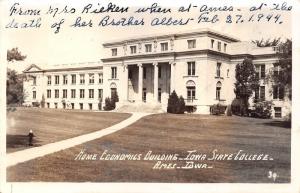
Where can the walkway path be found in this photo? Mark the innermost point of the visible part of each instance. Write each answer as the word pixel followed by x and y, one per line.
pixel 32 153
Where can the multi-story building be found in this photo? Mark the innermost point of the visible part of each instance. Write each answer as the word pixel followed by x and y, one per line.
pixel 199 65
pixel 70 87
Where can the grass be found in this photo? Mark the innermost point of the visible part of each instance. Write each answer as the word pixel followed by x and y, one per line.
pixel 51 125
pixel 169 134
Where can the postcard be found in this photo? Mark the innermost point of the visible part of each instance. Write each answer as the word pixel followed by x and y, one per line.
pixel 149 96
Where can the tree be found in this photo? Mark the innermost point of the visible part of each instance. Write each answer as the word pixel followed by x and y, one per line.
pixel 14 54
pixel 110 103
pixel 267 43
pixel 14 88
pixel 282 75
pixel 246 82
pixel 175 105
pixel 14 82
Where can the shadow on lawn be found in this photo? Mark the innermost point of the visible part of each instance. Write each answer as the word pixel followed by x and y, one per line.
pixel 16 141
pixel 283 124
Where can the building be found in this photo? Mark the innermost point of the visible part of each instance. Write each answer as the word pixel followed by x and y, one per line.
pixel 199 65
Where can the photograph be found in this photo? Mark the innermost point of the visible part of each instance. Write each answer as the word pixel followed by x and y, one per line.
pixel 149 95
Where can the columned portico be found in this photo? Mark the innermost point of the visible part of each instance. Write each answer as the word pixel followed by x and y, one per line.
pixel 155 87
pixel 140 83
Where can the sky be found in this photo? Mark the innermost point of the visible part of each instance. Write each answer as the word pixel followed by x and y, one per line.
pixel 43 47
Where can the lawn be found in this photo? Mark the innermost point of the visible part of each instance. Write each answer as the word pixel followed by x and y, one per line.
pixel 172 134
pixel 51 125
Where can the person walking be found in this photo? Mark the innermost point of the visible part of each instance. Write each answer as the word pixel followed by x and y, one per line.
pixel 30 137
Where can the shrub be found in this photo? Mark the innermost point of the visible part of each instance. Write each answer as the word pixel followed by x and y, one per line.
pixel 175 105
pixel 43 101
pixel 262 110
pixel 228 110
pixel 110 103
pixel 36 104
pixel 238 107
pixel 217 109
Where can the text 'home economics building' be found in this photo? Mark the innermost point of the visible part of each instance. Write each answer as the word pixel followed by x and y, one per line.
pixel 199 65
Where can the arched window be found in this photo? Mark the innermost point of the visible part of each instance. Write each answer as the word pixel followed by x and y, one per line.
pixel 191 90
pixel 218 90
pixel 113 89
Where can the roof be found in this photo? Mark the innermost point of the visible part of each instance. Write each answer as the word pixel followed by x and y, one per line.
pixel 207 31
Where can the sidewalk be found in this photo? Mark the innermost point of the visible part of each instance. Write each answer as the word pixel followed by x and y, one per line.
pixel 32 153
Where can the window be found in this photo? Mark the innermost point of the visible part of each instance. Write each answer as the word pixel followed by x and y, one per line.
pixel 91 93
pixel 262 71
pixel 100 93
pixel 144 94
pixel 73 78
pixel 277 71
pixel 277 112
pixel 114 52
pixel 191 44
pixel 100 78
pixel 133 49
pixel 278 92
pixel 90 106
pixel 164 46
pixel 49 80
pixel 256 93
pixel 64 105
pixel 218 90
pixel 148 47
pixel 56 79
pixel 227 73
pixel 219 46
pixel 72 105
pixel 144 72
pixel 65 79
pixel 113 91
pixel 91 78
pixel 55 104
pixel 56 93
pixel 82 81
pixel 212 43
pixel 73 93
pixel 34 80
pixel 159 94
pixel 65 93
pixel 81 106
pixel 34 94
pixel 159 71
pixel 191 93
pixel 48 94
pixel 225 47
pixel 81 93
pixel 218 71
pixel 262 92
pixel 48 105
pixel 191 68
pixel 113 72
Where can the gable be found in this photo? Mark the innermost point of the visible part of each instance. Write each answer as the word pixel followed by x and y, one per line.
pixel 32 68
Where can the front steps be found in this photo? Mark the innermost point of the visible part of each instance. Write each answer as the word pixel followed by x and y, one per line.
pixel 140 107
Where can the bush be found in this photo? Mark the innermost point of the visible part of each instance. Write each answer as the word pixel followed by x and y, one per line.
pixel 229 111
pixel 217 109
pixel 262 110
pixel 175 105
pixel 43 101
pixel 110 103
pixel 238 107
pixel 36 104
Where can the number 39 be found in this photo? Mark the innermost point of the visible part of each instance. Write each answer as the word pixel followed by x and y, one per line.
pixel 273 175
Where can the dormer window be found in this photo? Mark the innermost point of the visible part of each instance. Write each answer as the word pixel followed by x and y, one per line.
pixel 219 46
pixel 148 47
pixel 212 43
pixel 133 49
pixel 164 46
pixel 114 52
pixel 191 44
